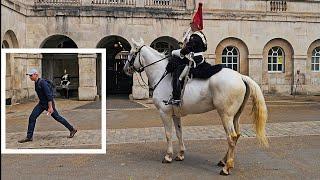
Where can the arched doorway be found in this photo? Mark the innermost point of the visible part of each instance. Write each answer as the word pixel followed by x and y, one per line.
pixel 117 50
pixel 54 66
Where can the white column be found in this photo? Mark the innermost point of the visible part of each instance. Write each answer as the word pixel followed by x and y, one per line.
pixel 23 87
pixel 87 76
pixel 139 89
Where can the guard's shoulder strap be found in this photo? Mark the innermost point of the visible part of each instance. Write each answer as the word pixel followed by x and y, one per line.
pixel 201 35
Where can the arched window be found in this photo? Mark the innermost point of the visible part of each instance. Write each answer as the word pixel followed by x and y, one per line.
pixel 230 57
pixel 276 59
pixel 165 44
pixel 163 47
pixel 315 59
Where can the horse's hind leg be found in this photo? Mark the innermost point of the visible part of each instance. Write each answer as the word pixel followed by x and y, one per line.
pixel 178 127
pixel 167 123
pixel 231 137
pixel 236 124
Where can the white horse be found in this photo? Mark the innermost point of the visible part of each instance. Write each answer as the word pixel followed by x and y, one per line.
pixel 227 91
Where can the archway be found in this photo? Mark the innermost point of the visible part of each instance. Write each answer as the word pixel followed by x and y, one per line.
pixel 312 75
pixel 234 53
pixel 278 67
pixel 117 50
pixel 10 41
pixel 55 65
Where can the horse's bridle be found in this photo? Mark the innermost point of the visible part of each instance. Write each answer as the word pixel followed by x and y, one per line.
pixel 141 69
pixel 131 61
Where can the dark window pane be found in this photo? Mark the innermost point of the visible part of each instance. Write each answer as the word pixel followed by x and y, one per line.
pixel 224 52
pixel 317 67
pixel 270 52
pixel 312 67
pixel 223 60
pixel 235 59
pixel 235 67
pixel 279 67
pixel 235 51
pixel 229 66
pixel 229 59
pixel 317 59
pixel 274 67
pixel 269 67
pixel 274 59
pixel 269 59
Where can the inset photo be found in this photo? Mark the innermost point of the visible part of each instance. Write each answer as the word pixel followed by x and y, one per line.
pixel 53 101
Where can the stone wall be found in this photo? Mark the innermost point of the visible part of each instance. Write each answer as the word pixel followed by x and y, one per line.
pixel 250 25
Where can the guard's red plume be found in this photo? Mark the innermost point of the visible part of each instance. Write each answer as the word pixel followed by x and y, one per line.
pixel 197 18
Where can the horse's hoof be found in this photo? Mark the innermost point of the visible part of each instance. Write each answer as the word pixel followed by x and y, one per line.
pixel 221 164
pixel 223 173
pixel 179 158
pixel 167 159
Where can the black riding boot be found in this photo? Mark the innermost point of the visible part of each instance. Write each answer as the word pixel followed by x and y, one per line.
pixel 177 86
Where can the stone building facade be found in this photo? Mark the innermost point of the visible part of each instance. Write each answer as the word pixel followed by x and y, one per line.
pixel 268 40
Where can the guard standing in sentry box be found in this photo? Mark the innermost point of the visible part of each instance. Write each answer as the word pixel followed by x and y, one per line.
pixel 44 89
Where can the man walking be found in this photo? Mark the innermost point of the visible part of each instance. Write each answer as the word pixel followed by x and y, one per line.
pixel 45 94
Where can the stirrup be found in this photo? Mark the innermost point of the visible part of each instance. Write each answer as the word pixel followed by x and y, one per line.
pixel 175 102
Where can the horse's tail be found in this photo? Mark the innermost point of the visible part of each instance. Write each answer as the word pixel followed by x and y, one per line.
pixel 259 110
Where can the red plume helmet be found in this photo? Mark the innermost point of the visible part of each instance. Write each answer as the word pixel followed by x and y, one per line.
pixel 197 18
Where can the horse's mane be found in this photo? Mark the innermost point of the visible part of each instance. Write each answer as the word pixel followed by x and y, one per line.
pixel 162 55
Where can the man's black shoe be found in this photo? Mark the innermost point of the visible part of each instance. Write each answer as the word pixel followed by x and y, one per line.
pixel 72 133
pixel 25 140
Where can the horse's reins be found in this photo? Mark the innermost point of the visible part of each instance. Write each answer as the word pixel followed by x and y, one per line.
pixel 141 69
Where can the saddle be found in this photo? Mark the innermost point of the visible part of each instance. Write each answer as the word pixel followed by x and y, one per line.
pixel 205 70
pixel 202 71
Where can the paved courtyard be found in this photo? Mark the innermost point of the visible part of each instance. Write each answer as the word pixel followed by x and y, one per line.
pixel 84 115
pixel 136 143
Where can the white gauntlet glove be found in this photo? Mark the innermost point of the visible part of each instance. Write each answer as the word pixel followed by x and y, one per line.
pixel 177 53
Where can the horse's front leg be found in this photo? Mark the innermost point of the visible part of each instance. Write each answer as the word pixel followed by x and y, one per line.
pixel 167 123
pixel 178 127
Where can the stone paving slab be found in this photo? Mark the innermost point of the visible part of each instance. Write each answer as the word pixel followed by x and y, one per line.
pixel 154 134
pixel 55 139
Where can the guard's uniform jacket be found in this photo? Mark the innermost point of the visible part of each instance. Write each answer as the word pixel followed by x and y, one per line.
pixel 197 44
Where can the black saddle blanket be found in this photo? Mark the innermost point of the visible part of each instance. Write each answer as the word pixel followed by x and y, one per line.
pixel 205 70
pixel 202 71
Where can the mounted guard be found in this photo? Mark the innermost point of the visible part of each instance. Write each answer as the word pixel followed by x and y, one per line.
pixel 190 59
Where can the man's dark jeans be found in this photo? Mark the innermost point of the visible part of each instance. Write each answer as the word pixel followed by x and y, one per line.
pixel 36 113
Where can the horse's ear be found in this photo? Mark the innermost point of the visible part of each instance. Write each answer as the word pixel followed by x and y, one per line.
pixel 134 42
pixel 141 41
pixel 136 45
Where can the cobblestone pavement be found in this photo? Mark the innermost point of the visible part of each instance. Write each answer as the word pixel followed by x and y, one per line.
pixel 84 115
pixel 303 120
pixel 56 139
pixel 154 134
